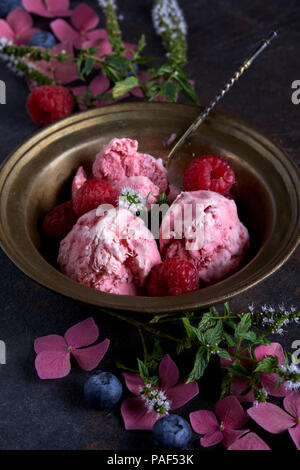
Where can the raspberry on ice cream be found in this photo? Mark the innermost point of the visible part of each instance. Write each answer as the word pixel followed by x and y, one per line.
pixel 209 172
pixel 120 159
pixel 211 237
pixel 111 252
pixel 92 194
pixel 174 276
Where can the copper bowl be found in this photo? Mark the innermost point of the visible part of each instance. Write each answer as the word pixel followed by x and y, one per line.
pixel 37 176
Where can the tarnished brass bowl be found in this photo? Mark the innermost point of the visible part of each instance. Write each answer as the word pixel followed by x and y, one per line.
pixel 37 176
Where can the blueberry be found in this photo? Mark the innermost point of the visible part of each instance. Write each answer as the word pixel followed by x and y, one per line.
pixel 42 39
pixel 7 5
pixel 171 432
pixel 103 390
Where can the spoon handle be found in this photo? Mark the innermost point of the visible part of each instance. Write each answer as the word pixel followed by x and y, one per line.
pixel 245 65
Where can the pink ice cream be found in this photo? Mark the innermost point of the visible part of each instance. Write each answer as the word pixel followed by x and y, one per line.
pixel 113 252
pixel 213 238
pixel 120 159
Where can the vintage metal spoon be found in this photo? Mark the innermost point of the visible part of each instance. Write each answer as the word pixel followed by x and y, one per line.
pixel 245 65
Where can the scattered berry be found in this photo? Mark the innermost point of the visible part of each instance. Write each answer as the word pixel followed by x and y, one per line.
pixel 42 39
pixel 92 194
pixel 209 172
pixel 58 222
pixel 174 276
pixel 103 390
pixel 6 6
pixel 48 103
pixel 171 432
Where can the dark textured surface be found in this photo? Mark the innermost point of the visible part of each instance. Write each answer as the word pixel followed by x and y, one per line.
pixel 37 414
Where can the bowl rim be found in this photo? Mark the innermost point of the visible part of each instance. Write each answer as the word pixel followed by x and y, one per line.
pixel 65 286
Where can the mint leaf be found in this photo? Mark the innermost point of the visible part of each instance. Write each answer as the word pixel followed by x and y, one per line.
pixel 163 199
pixel 243 326
pixel 124 86
pixel 201 363
pixel 169 90
pixel 267 365
pixel 214 335
pixel 143 369
pixel 224 354
pixel 238 370
pixel 229 340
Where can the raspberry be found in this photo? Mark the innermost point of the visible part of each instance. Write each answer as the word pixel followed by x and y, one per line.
pixel 174 276
pixel 92 194
pixel 209 172
pixel 48 103
pixel 58 222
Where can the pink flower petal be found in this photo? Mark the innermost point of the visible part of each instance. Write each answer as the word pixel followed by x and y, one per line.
pixel 133 382
pixel 168 372
pixel 102 44
pixel 295 435
pixel 99 84
pixel 204 422
pixel 271 417
pixel 269 381
pixel 50 343
pixel 249 442
pixel 136 416
pixel 181 394
pixel 59 7
pixel 211 439
pixel 137 92
pixel 49 8
pixel 129 47
pixel 231 413
pixel 6 31
pixel 82 334
pixel 19 20
pixel 37 7
pixel 292 404
pixel 273 349
pixel 84 18
pixel 64 32
pixel 52 364
pixel 89 358
pixel 231 435
pixel 65 72
pixel 238 386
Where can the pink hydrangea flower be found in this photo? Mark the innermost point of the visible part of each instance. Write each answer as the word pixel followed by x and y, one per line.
pixel 268 382
pixel 250 441
pixel 231 416
pixel 139 412
pixel 48 8
pixel 98 85
pixel 17 27
pixel 54 351
pixel 61 72
pixel 276 420
pixel 82 34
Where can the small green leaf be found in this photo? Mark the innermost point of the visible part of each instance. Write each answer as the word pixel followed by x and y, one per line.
pixel 119 365
pixel 229 340
pixel 267 365
pixel 238 370
pixel 163 199
pixel 248 335
pixel 243 326
pixel 157 352
pixel 143 369
pixel 214 335
pixel 206 321
pixel 124 86
pixel 201 363
pixel 224 354
pixel 169 90
pixel 88 66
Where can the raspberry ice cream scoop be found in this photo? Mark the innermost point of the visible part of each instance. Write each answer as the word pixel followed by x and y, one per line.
pixel 120 159
pixel 111 251
pixel 203 227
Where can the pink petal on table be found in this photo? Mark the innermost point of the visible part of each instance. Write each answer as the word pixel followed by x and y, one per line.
pixel 269 382
pixel 37 7
pixel 134 382
pixel 181 394
pixel 291 404
pixel 230 435
pixel 168 372
pixel 271 417
pixel 204 421
pixel 238 386
pixel 137 92
pixel 295 435
pixel 84 18
pixel 19 20
pixel 66 72
pixel 273 349
pixel 82 334
pixel 64 32
pixel 136 415
pixel 99 84
pixel 230 412
pixel 79 90
pixel 50 343
pixel 6 31
pixel 59 7
pixel 65 46
pixel 52 364
pixel 24 37
pixel 96 34
pixel 89 358
pixel 102 44
pixel 128 48
pixel 211 439
pixel 249 442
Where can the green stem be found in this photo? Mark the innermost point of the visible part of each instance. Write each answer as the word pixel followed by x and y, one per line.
pixel 144 345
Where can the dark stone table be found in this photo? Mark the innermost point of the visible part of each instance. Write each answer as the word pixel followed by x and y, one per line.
pixel 37 414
